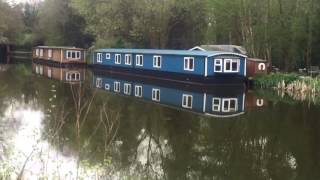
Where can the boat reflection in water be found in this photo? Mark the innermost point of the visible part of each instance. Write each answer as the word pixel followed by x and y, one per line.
pixel 70 74
pixel 210 101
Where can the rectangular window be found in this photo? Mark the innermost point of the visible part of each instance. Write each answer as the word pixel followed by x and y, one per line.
pixel 138 91
pixel 108 56
pixel 41 70
pixel 99 83
pixel 107 87
pixel 37 52
pixel 156 95
pixel 50 53
pixel 99 57
pixel 128 59
pixel 49 72
pixel 231 65
pixel 73 54
pixel 229 105
pixel 218 65
pixel 139 60
pixel 157 61
pixel 189 63
pixel 127 88
pixel 41 52
pixel 37 69
pixel 116 86
pixel 187 101
pixel 216 104
pixel 75 76
pixel 118 58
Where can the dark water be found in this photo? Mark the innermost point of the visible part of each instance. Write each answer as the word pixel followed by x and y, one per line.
pixel 73 125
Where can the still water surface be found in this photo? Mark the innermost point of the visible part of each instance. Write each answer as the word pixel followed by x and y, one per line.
pixel 70 123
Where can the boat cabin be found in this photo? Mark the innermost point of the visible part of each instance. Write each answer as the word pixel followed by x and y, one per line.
pixel 62 55
pixel 68 75
pixel 255 66
pixel 168 63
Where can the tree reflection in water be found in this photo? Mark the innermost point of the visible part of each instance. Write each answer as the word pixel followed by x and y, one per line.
pixel 78 132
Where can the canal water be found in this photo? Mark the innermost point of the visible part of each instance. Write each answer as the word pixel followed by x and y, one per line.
pixel 69 123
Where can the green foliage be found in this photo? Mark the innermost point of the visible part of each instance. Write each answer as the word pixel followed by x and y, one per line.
pixel 273 79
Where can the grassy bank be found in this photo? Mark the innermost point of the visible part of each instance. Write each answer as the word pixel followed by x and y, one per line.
pixel 288 82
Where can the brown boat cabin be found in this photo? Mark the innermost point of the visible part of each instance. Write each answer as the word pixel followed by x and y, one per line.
pixel 63 55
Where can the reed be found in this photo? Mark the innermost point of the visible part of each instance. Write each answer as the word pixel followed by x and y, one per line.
pixel 291 83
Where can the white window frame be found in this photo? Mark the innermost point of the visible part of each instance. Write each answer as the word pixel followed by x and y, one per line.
pixel 117 86
pixel 98 83
pixel 229 109
pixel 49 53
pixel 107 86
pixel 77 54
pixel 37 52
pixel 41 52
pixel 138 91
pixel 154 95
pixel 187 61
pixel 217 63
pixel 139 60
pixel 49 72
pixel 108 56
pixel 77 76
pixel 216 107
pixel 117 58
pixel 127 89
pixel 41 70
pixel 99 57
pixel 185 101
pixel 231 61
pixel 128 59
pixel 157 62
pixel 37 69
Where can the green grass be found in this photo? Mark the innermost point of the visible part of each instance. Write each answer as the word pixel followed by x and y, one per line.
pixel 273 79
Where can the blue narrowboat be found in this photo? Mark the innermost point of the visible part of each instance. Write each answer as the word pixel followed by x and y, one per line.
pixel 215 102
pixel 203 66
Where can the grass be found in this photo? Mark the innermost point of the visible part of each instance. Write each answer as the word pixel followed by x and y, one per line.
pixel 272 80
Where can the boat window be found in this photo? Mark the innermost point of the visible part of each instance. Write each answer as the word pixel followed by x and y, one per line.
pixel 118 58
pixel 128 59
pixel 138 91
pixel 216 104
pixel 107 87
pixel 41 52
pixel 156 95
pixel 230 105
pixel 75 76
pixel 99 83
pixel 73 54
pixel 189 63
pixel 99 57
pixel 108 56
pixel 127 88
pixel 37 52
pixel 49 72
pixel 187 101
pixel 139 60
pixel 116 86
pixel 157 61
pixel 218 65
pixel 231 65
pixel 41 70
pixel 50 53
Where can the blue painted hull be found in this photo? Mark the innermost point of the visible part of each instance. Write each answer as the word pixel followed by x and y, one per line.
pixel 222 80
